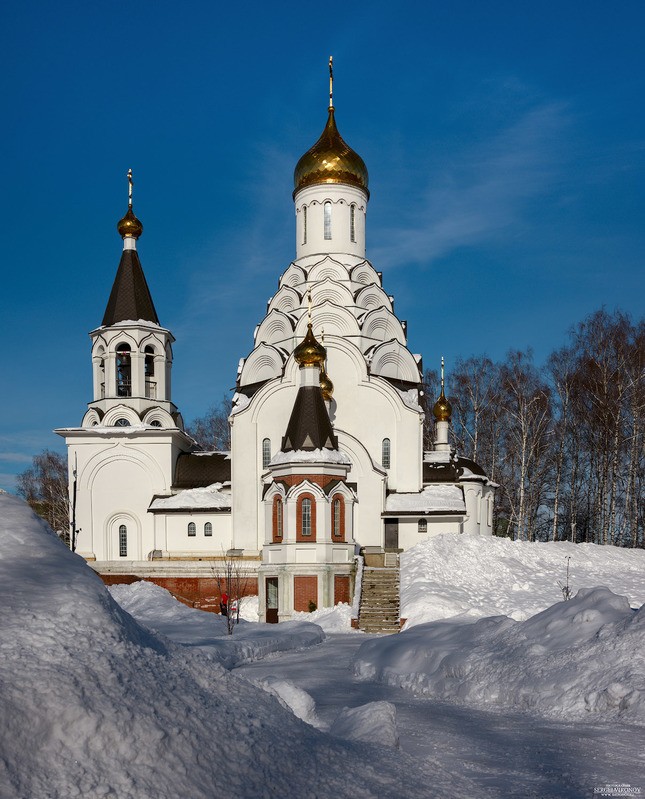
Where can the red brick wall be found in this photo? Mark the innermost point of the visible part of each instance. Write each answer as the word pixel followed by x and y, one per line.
pixel 341 588
pixel 305 588
pixel 200 592
pixel 318 479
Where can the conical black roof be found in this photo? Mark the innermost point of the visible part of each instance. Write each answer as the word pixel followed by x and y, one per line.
pixel 130 296
pixel 309 426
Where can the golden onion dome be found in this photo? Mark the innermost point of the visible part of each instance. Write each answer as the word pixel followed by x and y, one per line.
pixel 330 160
pixel 442 408
pixel 129 226
pixel 326 386
pixel 310 352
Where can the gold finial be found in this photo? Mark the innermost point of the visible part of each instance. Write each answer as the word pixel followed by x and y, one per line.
pixel 129 227
pixel 309 306
pixel 130 185
pixel 310 352
pixel 331 81
pixel 442 408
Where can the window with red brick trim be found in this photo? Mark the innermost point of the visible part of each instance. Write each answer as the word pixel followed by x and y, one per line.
pixel 278 520
pixel 306 518
pixel 338 518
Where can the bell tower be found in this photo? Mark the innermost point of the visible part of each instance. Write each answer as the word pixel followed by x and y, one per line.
pixel 131 351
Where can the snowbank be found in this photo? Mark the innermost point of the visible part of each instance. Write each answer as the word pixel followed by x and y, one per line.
pixel 332 620
pixel 158 610
pixel 579 659
pixel 486 576
pixel 93 704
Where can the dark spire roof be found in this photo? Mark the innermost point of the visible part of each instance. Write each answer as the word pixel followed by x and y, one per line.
pixel 130 296
pixel 309 426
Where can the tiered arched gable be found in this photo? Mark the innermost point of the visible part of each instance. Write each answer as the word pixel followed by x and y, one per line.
pixel 395 362
pixel 276 328
pixel 382 325
pixel 364 274
pixel 286 299
pixel 264 363
pixel 294 276
pixel 373 296
pixel 328 268
pixel 335 320
pixel 332 291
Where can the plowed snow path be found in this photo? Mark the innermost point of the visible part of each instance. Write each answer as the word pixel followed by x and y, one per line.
pixel 508 755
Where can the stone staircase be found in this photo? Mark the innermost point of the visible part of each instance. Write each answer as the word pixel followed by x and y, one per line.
pixel 379 610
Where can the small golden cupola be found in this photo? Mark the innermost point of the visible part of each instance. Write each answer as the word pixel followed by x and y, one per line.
pixel 326 386
pixel 129 227
pixel 331 159
pixel 310 352
pixel 442 410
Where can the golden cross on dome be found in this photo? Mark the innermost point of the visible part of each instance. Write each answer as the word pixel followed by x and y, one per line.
pixel 309 306
pixel 331 81
pixel 130 185
pixel 442 374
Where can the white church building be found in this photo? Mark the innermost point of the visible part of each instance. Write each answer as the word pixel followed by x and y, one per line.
pixel 326 452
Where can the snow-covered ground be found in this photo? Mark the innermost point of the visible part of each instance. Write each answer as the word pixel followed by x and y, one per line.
pixel 137 699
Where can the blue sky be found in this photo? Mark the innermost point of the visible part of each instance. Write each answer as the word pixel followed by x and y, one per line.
pixel 505 143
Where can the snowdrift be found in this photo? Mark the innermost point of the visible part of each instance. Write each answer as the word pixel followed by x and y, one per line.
pixel 480 576
pixel 93 704
pixel 579 659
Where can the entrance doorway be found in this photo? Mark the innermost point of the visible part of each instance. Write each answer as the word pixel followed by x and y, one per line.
pixel 272 600
pixel 391 535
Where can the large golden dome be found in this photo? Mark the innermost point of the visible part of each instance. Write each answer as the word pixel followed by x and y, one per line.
pixel 330 160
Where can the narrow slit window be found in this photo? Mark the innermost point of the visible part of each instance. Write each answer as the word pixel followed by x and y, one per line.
pixel 123 541
pixel 385 455
pixel 192 528
pixel 352 223
pixel 304 224
pixel 208 529
pixel 423 526
pixel 278 519
pixel 266 453
pixel 327 221
pixel 336 517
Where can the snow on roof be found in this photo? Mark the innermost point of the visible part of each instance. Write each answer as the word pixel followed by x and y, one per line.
pixel 239 401
pixel 410 398
pixel 311 456
pixel 447 498
pixel 217 495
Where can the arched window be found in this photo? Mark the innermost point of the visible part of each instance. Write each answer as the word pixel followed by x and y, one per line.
pixel 338 518
pixel 327 221
pixel 385 453
pixel 278 519
pixel 306 518
pixel 192 528
pixel 208 529
pixel 123 371
pixel 101 355
pixel 123 541
pixel 352 222
pixel 266 453
pixel 122 423
pixel 305 523
pixel 304 224
pixel 423 526
pixel 155 423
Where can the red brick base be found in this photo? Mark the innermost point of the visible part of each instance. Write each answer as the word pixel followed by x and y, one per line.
pixel 305 590
pixel 196 592
pixel 341 588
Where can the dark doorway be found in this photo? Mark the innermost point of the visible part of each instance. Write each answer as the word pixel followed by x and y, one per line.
pixel 272 600
pixel 391 535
